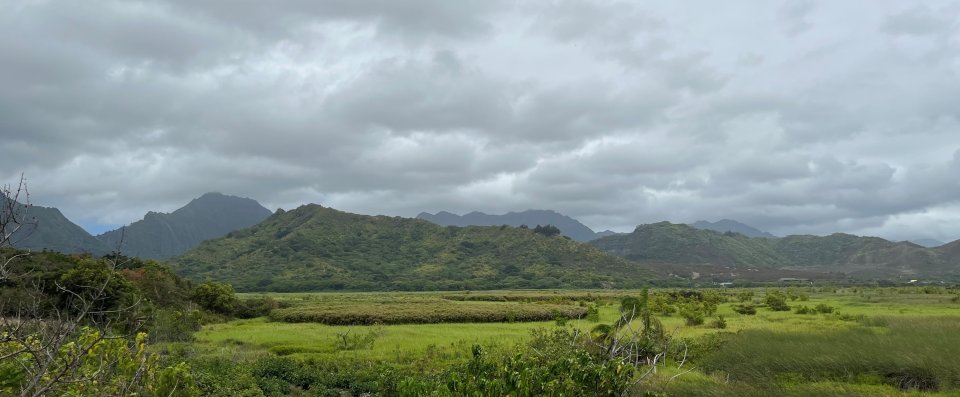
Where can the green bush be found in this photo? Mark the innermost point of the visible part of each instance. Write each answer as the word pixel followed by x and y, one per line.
pixel 744 309
pixel 803 309
pixel 719 323
pixel 692 312
pixel 215 297
pixel 358 341
pixel 593 313
pixel 776 301
pixel 823 308
pixel 555 364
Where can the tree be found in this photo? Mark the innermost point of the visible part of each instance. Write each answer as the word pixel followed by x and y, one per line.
pixel 76 334
pixel 547 230
pixel 216 297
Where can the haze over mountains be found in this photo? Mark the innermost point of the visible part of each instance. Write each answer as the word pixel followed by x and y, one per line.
pixel 157 236
pixel 47 228
pixel 162 236
pixel 568 226
pixel 729 225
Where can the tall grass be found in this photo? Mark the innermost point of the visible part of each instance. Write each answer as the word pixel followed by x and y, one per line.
pixel 920 353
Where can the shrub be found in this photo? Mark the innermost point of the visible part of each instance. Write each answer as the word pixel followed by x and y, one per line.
pixel 215 297
pixel 803 309
pixel 823 308
pixel 559 318
pixel 358 341
pixel 719 323
pixel 776 301
pixel 692 312
pixel 593 314
pixel 553 364
pixel 256 307
pixel 174 325
pixel 745 309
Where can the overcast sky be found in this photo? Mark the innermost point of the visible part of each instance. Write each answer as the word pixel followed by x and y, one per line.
pixel 791 116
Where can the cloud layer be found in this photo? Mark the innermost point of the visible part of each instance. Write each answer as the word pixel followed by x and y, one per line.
pixel 793 116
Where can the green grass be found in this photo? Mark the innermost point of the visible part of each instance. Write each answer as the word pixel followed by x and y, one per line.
pixel 909 353
pixel 874 337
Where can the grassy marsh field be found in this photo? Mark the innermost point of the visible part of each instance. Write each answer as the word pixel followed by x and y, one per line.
pixel 873 341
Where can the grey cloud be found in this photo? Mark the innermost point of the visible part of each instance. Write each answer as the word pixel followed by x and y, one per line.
pixel 616 113
pixel 794 14
pixel 921 20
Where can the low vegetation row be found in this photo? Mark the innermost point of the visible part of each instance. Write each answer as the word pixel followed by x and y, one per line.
pixel 438 311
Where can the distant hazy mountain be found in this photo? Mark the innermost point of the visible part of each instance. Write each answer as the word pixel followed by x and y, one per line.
pixel 315 248
pixel 49 229
pixel 161 236
pixel 729 225
pixel 568 226
pixel 928 242
pixel 856 256
pixel 606 233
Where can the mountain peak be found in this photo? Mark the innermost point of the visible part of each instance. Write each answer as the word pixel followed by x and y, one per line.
pixel 161 235
pixel 730 225
pixel 568 226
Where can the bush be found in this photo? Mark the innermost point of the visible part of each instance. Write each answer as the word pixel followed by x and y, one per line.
pixel 719 323
pixel 593 314
pixel 776 301
pixel 803 309
pixel 553 364
pixel 692 312
pixel 174 325
pixel 215 297
pixel 745 309
pixel 358 341
pixel 823 308
pixel 256 307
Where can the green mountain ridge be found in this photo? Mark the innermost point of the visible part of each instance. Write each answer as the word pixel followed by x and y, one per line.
pixel 856 256
pixel 46 228
pixel 317 248
pixel 162 236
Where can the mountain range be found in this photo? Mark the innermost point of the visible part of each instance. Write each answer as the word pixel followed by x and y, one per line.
pixel 45 228
pixel 162 236
pixel 320 248
pixel 729 225
pixel 853 256
pixel 317 248
pixel 568 226
pixel 157 236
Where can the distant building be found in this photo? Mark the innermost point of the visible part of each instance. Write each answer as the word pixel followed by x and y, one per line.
pixel 791 280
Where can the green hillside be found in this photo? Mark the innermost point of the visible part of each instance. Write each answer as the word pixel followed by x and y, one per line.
pixel 667 242
pixel 841 250
pixel 316 248
pixel 862 257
